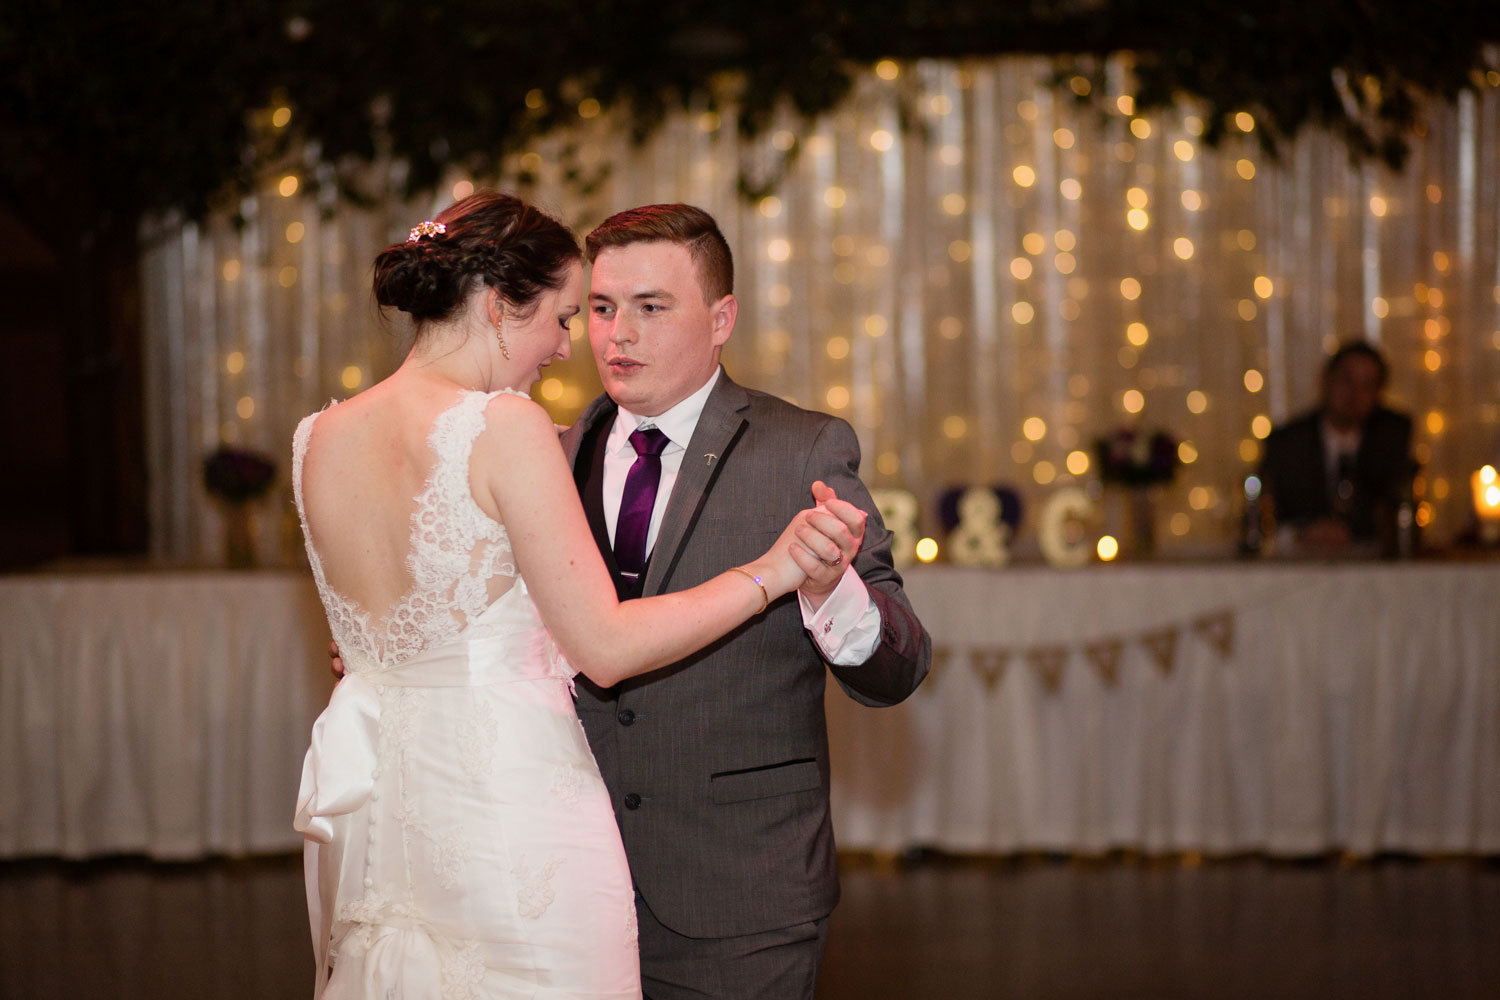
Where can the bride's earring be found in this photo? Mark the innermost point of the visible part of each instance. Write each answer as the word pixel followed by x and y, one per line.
pixel 500 336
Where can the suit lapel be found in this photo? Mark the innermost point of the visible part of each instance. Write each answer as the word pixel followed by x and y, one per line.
pixel 602 408
pixel 719 427
pixel 584 446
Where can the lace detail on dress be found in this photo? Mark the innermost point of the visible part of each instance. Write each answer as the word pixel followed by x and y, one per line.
pixel 463 972
pixel 450 855
pixel 364 915
pixel 559 667
pixel 370 908
pixel 632 925
pixel 456 549
pixel 534 891
pixel 476 741
pixel 400 710
pixel 567 782
pixel 448 851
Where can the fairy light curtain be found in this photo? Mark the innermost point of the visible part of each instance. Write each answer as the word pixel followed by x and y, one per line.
pixel 980 294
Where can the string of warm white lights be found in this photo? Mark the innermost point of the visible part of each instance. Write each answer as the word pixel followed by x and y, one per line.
pixel 981 294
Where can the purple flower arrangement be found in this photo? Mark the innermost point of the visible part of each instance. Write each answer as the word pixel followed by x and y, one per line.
pixel 238 474
pixel 1136 458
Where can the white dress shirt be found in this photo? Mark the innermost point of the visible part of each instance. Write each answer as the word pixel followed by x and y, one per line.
pixel 846 627
pixel 1337 445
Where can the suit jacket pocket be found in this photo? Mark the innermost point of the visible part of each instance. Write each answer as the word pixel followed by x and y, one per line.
pixel 765 782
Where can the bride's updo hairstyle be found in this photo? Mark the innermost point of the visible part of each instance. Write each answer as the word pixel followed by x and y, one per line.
pixel 489 237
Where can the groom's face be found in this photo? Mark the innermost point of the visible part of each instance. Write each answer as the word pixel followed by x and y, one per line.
pixel 655 338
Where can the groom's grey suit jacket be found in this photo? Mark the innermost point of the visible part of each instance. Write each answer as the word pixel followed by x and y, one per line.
pixel 718 764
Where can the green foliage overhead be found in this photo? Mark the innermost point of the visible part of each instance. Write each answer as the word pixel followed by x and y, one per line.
pixel 158 105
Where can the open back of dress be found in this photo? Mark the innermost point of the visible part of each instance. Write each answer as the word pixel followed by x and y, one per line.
pixel 458 562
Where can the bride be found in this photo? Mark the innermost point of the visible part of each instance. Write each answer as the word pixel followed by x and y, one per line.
pixel 460 842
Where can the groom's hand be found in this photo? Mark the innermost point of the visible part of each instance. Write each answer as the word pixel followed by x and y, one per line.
pixel 829 539
pixel 335 662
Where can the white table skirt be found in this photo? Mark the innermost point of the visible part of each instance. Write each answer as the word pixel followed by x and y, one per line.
pixel 156 713
pixel 1354 708
pixel 1357 709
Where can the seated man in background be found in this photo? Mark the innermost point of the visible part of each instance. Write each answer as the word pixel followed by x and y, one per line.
pixel 1336 475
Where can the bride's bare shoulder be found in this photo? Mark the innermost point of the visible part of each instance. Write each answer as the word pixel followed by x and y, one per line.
pixel 518 438
pixel 325 428
pixel 511 414
pixel 338 421
pixel 378 426
pixel 517 454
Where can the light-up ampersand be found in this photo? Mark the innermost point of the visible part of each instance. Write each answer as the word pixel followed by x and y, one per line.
pixel 980 537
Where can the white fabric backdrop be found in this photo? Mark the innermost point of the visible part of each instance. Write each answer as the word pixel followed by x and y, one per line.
pixel 909 281
pixel 1358 709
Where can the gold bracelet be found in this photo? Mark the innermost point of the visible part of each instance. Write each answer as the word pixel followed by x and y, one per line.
pixel 765 599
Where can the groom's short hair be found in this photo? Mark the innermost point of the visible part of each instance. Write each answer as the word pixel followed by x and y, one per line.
pixel 687 225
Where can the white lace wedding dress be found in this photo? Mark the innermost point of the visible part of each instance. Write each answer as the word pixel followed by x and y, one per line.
pixel 460 842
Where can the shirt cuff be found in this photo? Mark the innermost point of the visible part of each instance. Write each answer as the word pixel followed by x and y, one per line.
pixel 847 626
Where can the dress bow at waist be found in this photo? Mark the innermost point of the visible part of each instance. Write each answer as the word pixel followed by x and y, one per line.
pixel 338 772
pixel 343 758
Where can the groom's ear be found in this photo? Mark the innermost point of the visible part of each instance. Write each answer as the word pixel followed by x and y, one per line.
pixel 722 314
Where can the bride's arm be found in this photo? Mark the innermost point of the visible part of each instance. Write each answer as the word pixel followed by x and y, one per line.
pixel 519 468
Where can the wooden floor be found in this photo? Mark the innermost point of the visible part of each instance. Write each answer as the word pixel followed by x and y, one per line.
pixel 941 928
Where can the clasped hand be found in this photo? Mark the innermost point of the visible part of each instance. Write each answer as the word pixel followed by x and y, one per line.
pixel 816 547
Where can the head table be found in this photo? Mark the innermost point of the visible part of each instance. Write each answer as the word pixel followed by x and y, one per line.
pixel 1279 708
pixel 158 713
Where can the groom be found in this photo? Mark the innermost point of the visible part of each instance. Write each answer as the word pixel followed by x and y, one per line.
pixel 718 765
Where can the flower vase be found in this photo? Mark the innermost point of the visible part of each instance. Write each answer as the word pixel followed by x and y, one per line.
pixel 239 536
pixel 1140 515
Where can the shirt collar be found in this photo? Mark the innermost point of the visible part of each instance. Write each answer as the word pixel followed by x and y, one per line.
pixel 1337 442
pixel 677 422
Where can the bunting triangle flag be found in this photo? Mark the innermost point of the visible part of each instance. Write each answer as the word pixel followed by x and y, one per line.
pixel 1105 658
pixel 989 664
pixel 1217 630
pixel 1162 645
pixel 1048 663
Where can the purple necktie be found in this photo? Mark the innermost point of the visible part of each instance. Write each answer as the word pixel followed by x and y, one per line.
pixel 638 500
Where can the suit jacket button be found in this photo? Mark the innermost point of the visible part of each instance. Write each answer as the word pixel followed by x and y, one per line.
pixel 626 717
pixel 632 800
